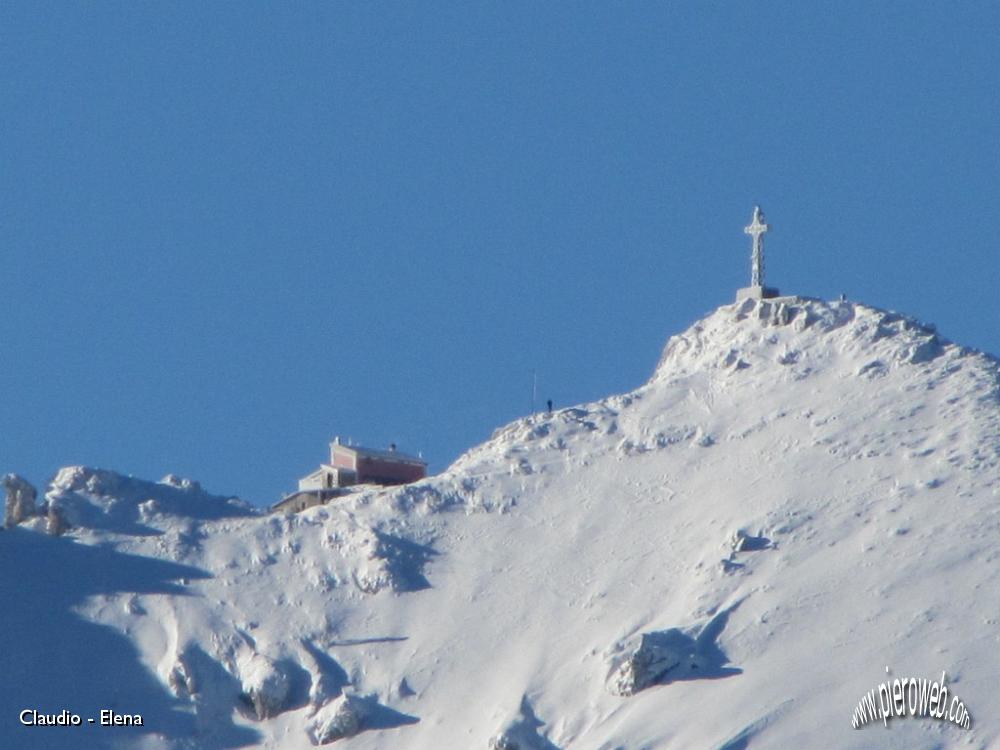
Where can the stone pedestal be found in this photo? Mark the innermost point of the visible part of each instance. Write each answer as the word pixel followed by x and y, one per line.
pixel 756 292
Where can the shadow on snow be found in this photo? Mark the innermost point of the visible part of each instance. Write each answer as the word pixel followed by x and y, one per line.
pixel 54 659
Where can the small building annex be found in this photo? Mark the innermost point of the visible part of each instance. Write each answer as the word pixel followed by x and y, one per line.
pixel 350 465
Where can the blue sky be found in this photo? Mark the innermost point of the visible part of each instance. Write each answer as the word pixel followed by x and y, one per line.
pixel 230 231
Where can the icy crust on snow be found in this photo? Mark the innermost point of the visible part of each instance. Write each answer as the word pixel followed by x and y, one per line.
pixel 717 559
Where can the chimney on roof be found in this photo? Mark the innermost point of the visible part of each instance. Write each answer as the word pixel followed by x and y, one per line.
pixel 336 439
pixel 392 447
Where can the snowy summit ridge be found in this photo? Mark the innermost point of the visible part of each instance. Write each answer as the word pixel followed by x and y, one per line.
pixel 759 326
pixel 727 557
pixel 786 345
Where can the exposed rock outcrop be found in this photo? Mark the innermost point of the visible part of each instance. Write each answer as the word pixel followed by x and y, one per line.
pixel 20 504
pixel 341 718
pixel 266 686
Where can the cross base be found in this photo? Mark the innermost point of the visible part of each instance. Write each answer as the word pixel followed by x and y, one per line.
pixel 756 292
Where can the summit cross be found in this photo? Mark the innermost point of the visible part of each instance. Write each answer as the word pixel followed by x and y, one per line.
pixel 756 229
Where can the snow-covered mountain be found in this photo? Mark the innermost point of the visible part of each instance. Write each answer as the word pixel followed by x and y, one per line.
pixel 730 556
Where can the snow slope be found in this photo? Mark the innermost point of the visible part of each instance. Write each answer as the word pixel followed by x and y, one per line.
pixel 802 495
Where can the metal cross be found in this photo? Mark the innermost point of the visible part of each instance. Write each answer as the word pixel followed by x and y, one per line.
pixel 756 229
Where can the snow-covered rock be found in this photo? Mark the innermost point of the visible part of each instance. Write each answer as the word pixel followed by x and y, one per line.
pixel 266 686
pixel 521 732
pixel 339 719
pixel 100 499
pixel 650 661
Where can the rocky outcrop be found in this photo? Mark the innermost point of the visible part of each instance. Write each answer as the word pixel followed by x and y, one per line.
pixel 21 496
pixel 655 655
pixel 266 686
pixel 339 719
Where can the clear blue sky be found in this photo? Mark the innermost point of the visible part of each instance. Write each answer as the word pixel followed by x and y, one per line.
pixel 230 231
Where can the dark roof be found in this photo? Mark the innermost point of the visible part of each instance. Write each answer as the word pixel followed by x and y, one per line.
pixel 404 458
pixel 323 494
